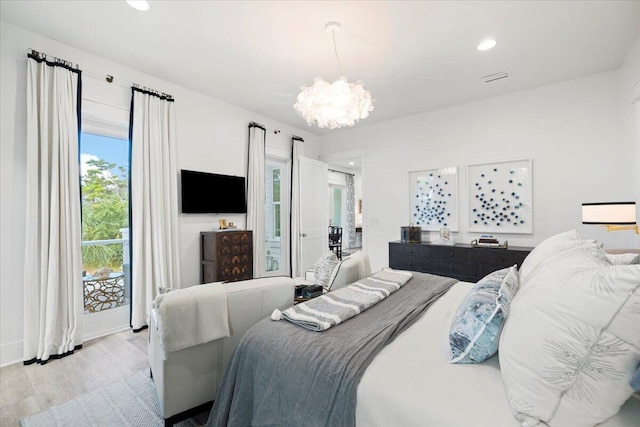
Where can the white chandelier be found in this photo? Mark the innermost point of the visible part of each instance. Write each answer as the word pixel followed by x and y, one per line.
pixel 333 105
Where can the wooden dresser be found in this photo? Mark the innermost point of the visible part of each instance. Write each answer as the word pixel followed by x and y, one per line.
pixel 460 261
pixel 226 256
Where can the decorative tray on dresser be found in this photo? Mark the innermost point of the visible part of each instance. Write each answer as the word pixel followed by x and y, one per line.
pixel 460 261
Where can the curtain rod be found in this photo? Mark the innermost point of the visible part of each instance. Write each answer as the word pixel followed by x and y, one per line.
pixel 346 173
pixel 275 131
pixel 152 92
pixel 53 60
pixel 110 79
pixel 41 56
pixel 257 125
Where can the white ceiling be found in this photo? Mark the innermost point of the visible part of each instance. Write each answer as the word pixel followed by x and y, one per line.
pixel 413 56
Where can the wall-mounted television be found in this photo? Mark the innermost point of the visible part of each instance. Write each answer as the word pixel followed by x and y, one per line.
pixel 204 192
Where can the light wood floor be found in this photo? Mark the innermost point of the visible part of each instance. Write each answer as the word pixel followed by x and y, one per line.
pixel 27 390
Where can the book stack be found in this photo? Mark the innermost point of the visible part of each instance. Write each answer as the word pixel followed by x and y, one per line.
pixel 488 240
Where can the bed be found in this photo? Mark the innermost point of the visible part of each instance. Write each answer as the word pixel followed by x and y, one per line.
pixel 410 382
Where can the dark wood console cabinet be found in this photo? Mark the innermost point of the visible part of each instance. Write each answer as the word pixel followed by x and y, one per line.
pixel 460 261
pixel 226 256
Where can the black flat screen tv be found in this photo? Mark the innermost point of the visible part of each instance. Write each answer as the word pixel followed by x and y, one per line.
pixel 204 192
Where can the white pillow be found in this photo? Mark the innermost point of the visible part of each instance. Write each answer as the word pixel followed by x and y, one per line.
pixel 546 249
pixel 624 259
pixel 572 340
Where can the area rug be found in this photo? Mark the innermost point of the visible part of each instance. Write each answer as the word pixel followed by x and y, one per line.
pixel 131 401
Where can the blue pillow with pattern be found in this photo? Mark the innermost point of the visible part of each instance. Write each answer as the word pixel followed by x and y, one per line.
pixel 635 381
pixel 475 330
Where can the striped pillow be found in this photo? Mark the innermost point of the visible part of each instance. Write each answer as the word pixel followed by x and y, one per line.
pixel 325 268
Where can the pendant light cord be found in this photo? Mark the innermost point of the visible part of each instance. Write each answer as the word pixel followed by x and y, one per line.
pixel 335 50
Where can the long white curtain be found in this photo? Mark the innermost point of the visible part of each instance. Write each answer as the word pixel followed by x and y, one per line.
pixel 351 211
pixel 297 150
pixel 256 196
pixel 53 324
pixel 155 239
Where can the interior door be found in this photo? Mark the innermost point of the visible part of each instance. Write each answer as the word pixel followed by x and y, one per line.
pixel 314 211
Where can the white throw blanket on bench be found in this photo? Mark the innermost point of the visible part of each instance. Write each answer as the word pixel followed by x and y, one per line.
pixel 330 309
pixel 191 316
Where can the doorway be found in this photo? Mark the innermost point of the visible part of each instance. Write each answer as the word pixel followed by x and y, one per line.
pixel 345 204
pixel 105 232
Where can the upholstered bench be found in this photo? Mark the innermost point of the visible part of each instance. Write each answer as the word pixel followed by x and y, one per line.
pixel 186 380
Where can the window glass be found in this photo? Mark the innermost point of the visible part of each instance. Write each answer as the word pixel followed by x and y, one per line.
pixel 104 170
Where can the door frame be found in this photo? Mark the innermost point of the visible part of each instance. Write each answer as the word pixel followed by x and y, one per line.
pixel 314 239
pixel 278 156
pixel 362 155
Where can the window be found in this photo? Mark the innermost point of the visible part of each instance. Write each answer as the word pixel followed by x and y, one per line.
pixel 104 170
pixel 337 211
pixel 275 191
pixel 276 216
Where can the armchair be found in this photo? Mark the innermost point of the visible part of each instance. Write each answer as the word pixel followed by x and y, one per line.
pixel 350 269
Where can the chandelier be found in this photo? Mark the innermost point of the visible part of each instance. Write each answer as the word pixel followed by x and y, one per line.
pixel 334 105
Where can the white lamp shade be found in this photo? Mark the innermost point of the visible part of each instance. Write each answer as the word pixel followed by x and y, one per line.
pixel 617 213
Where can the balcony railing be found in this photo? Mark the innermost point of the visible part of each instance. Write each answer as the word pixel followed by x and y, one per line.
pixel 103 293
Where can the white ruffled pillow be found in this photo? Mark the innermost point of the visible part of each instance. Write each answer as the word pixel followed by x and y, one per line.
pixel 548 248
pixel 572 340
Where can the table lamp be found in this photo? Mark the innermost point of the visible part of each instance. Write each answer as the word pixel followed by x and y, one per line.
pixel 614 215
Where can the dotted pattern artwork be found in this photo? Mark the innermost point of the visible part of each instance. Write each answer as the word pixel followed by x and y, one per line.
pixel 500 197
pixel 434 199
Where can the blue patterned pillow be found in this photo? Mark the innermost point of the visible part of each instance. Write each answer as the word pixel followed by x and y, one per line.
pixel 635 381
pixel 475 330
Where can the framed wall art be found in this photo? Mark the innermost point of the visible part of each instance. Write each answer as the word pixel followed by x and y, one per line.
pixel 501 197
pixel 433 198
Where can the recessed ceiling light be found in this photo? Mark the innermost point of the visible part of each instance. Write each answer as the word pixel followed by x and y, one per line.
pixel 487 44
pixel 351 163
pixel 139 4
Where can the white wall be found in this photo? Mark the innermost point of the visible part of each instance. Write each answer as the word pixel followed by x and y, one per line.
pixel 211 134
pixel 578 134
pixel 630 99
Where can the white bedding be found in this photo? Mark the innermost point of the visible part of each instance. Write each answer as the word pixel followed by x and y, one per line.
pixel 412 383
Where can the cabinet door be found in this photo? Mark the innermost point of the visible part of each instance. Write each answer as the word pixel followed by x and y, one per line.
pixel 398 257
pixel 208 273
pixel 500 256
pixel 409 256
pixel 453 254
pixel 459 270
pixel 490 260
pixel 419 258
pixel 208 246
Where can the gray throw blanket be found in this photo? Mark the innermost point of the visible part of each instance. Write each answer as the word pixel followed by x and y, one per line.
pixel 284 375
pixel 333 308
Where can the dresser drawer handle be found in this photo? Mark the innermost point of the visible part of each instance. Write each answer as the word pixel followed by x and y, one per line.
pixel 410 251
pixel 451 254
pixel 410 263
pixel 451 268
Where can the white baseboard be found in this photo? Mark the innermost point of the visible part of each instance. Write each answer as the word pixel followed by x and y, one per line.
pixel 106 322
pixel 96 325
pixel 106 332
pixel 10 353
